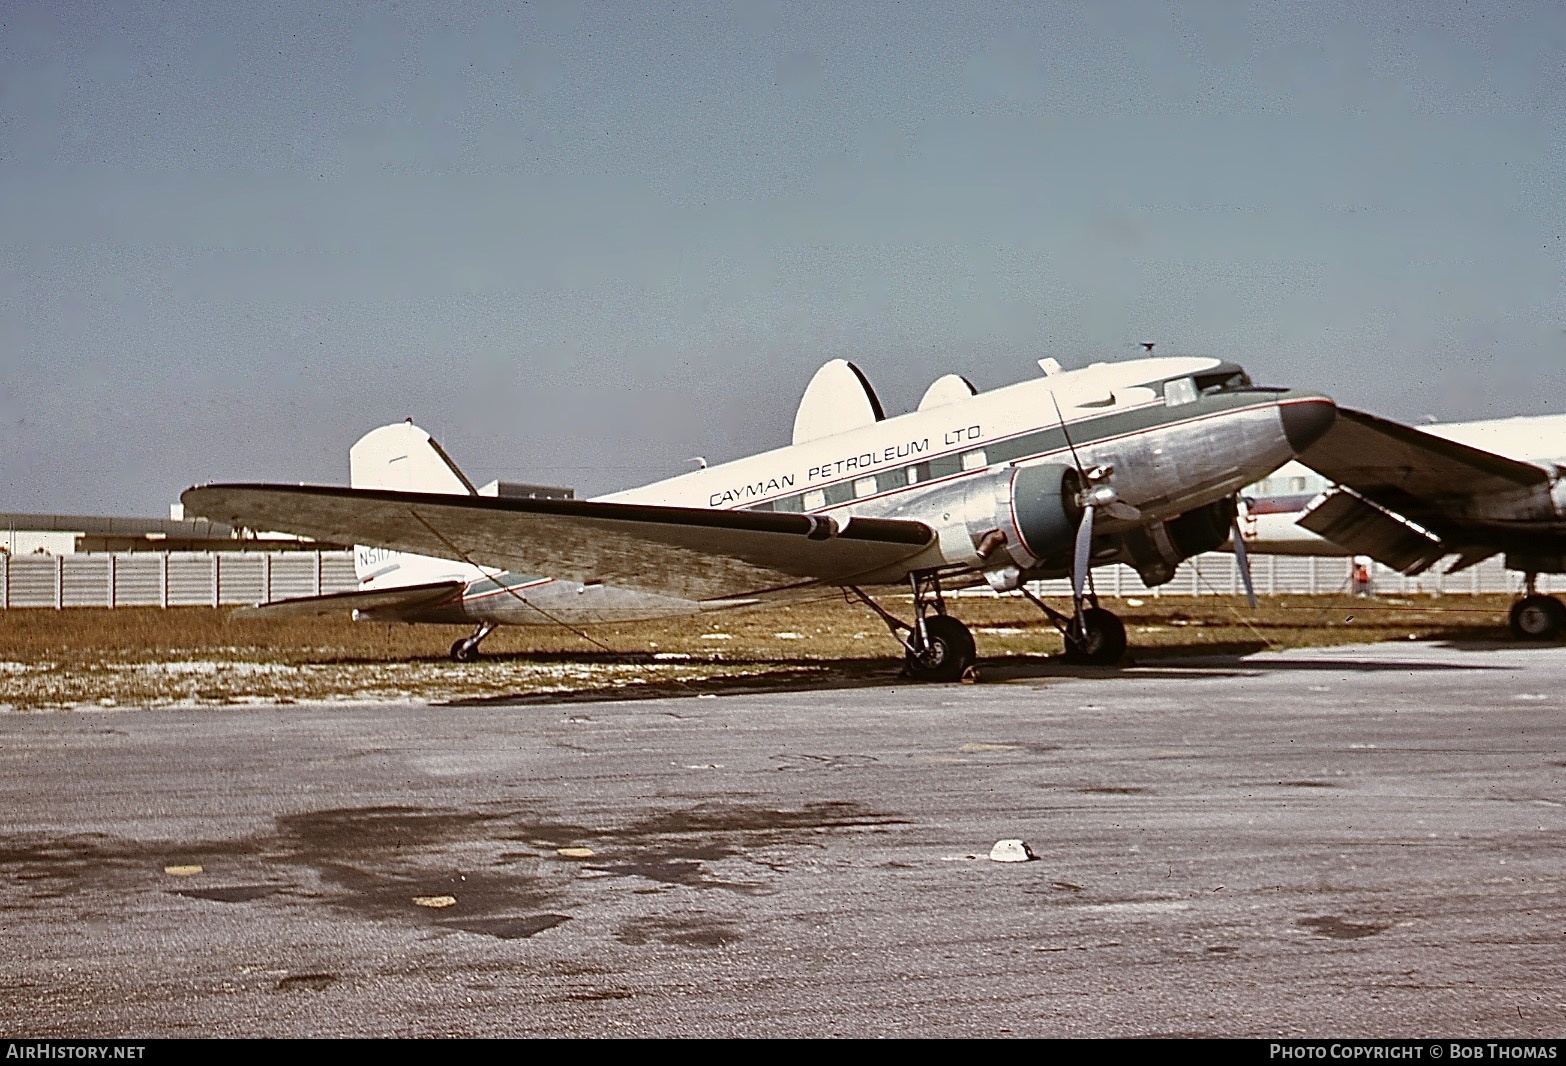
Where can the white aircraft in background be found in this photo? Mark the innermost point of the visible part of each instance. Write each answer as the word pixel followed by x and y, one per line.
pixel 1134 462
pixel 1409 497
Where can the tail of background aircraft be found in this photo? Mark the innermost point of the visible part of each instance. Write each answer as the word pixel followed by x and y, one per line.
pixel 405 458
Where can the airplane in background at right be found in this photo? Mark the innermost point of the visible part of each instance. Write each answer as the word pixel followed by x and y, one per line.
pixel 1409 497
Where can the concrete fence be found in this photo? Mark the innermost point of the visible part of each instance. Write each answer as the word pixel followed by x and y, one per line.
pixel 220 579
pixel 1217 573
pixel 170 579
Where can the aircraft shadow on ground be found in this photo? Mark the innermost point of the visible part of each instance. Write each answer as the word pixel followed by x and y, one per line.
pixel 1471 643
pixel 1180 661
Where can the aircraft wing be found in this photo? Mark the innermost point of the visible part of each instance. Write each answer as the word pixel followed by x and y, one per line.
pixel 1377 457
pixel 1410 494
pixel 690 552
pixel 405 596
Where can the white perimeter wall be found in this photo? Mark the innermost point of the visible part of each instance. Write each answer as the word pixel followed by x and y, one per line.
pixel 219 579
pixel 170 579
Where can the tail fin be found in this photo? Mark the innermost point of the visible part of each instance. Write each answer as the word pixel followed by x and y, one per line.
pixel 402 456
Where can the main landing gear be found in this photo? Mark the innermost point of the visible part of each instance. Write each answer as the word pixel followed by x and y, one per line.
pixel 1093 636
pixel 1537 616
pixel 466 650
pixel 936 646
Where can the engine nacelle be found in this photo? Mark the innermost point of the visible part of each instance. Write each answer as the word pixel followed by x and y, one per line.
pixel 1156 549
pixel 1004 522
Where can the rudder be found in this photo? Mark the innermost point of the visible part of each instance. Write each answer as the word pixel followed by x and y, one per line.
pixel 404 458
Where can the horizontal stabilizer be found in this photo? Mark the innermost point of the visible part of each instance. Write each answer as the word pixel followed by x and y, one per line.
pixel 690 552
pixel 1364 528
pixel 409 596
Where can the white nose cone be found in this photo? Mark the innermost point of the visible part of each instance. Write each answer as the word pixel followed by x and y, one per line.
pixel 1011 851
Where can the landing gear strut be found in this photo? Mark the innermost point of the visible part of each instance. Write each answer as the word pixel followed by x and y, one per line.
pixel 1536 616
pixel 466 650
pixel 1093 636
pixel 936 647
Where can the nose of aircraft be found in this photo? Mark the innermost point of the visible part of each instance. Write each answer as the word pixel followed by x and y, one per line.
pixel 1306 417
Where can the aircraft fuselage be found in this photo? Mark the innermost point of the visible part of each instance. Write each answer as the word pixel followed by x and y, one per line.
pixel 1179 433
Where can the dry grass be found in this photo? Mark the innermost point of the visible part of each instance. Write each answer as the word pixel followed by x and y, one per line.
pixel 148 656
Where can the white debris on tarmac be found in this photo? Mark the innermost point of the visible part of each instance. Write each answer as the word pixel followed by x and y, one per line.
pixel 1011 851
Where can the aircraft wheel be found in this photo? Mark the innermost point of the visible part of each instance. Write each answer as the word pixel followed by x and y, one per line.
pixel 464 651
pixel 948 651
pixel 1105 643
pixel 1538 618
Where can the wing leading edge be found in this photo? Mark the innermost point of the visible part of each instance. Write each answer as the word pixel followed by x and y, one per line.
pixel 1380 458
pixel 689 552
pixel 1407 497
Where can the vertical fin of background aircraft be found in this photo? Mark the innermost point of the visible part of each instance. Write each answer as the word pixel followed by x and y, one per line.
pixel 945 390
pixel 839 398
pixel 402 456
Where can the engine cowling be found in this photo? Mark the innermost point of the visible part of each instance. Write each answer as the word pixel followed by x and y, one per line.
pixel 1156 549
pixel 1004 522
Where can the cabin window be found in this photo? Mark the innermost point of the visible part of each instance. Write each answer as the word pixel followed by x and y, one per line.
pixel 865 486
pixel 789 503
pixel 913 475
pixel 815 499
pixel 1297 484
pixel 1179 391
pixel 974 460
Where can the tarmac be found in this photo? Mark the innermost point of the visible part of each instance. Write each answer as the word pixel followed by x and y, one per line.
pixel 1361 841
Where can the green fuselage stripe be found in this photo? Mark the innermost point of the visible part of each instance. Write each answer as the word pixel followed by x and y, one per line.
pixel 1084 434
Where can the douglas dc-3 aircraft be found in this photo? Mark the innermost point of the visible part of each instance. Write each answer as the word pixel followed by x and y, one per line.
pixel 1410 497
pixel 1134 462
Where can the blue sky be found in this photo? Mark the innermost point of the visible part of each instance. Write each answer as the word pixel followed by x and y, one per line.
pixel 582 242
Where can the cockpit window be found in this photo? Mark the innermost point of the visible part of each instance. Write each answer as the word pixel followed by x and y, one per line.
pixel 1222 381
pixel 1179 391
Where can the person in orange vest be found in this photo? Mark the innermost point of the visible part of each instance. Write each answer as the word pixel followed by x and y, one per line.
pixel 1361 578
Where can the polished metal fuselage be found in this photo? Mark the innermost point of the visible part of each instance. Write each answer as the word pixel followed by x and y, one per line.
pixel 1171 449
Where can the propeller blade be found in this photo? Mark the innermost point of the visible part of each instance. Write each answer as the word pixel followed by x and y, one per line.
pixel 1123 511
pixel 1242 558
pixel 1084 552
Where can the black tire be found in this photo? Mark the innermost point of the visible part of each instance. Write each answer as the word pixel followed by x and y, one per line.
pixel 948 653
pixel 1538 618
pixel 464 651
pixel 1105 643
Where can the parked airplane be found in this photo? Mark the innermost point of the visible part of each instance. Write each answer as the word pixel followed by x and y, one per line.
pixel 403 587
pixel 1135 462
pixel 1409 497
